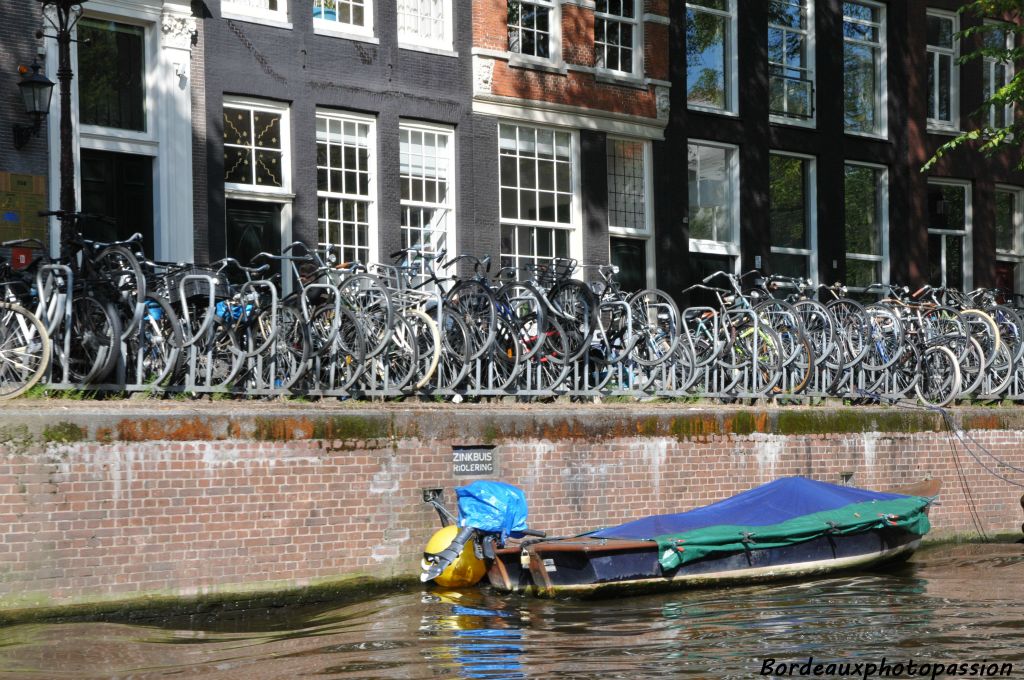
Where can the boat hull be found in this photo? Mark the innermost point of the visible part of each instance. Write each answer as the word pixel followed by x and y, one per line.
pixel 597 567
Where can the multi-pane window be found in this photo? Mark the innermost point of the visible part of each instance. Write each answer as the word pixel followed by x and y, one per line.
pixel 269 9
pixel 863 72
pixel 425 22
pixel 536 177
pixel 790 69
pixel 616 28
pixel 712 176
pixel 864 219
pixel 791 214
pixel 530 26
pixel 711 54
pixel 998 73
pixel 255 147
pixel 629 212
pixel 347 15
pixel 345 186
pixel 111 75
pixel 943 74
pixel 949 235
pixel 426 177
pixel 1009 238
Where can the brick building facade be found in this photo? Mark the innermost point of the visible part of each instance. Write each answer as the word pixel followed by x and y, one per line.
pixel 536 128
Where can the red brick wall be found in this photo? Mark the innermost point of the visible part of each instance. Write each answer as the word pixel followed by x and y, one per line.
pixel 87 521
pixel 573 88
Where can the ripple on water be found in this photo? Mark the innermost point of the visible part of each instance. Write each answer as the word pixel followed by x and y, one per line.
pixel 954 603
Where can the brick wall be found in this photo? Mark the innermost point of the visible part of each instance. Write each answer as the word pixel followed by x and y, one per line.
pixel 103 506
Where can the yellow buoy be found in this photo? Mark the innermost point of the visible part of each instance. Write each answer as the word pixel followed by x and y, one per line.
pixel 465 570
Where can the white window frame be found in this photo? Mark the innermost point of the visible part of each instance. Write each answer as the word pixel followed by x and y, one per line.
pixel 989 75
pixel 372 229
pixel 811 200
pixel 646 234
pixel 809 69
pixel 409 40
pixel 239 10
pixel 967 232
pixel 730 248
pixel 934 53
pixel 732 61
pixel 881 130
pixel 637 67
pixel 337 29
pixel 449 206
pixel 270 106
pixel 575 227
pixel 882 196
pixel 554 38
pixel 1017 254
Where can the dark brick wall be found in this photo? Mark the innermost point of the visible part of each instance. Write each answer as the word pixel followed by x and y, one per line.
pixel 905 150
pixel 310 71
pixel 18 46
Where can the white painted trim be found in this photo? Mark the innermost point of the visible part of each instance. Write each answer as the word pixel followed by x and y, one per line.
pixel 809 68
pixel 277 18
pixel 881 130
pixel 811 251
pixel 561 115
pixel 932 52
pixel 883 199
pixel 256 19
pixel 732 55
pixel 730 247
pixel 967 232
pixel 411 41
pixel 636 74
pixel 286 143
pixel 413 47
pixel 1017 254
pixel 451 230
pixel 656 19
pixel 322 27
pixel 647 235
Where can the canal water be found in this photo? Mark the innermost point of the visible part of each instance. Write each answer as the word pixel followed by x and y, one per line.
pixel 954 604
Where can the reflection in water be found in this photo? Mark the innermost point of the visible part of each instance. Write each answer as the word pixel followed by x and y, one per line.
pixel 959 603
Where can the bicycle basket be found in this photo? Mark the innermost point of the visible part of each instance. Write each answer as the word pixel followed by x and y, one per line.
pixel 195 288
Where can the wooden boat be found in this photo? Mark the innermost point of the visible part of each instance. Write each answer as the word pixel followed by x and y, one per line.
pixel 850 536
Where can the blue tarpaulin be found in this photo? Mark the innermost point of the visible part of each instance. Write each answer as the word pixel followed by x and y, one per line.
pixel 494 507
pixel 769 504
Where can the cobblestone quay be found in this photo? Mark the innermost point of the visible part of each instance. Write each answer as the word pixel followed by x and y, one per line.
pixel 113 501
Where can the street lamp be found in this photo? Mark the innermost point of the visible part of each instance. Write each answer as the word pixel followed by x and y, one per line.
pixel 62 15
pixel 35 94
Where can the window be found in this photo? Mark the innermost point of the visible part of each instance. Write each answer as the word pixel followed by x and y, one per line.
pixel 275 10
pixel 531 26
pixel 537 193
pixel 1009 239
pixel 425 22
pixel 347 16
pixel 998 73
pixel 629 212
pixel 866 223
pixel 791 215
pixel 427 167
pixel 712 174
pixel 949 231
pixel 790 69
pixel 711 54
pixel 864 67
pixel 255 152
pixel 943 74
pixel 111 74
pixel 616 29
pixel 346 190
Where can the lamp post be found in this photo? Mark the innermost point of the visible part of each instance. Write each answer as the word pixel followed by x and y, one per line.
pixel 62 15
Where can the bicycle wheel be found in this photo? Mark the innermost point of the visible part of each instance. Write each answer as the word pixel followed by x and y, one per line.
pixel 25 350
pixel 655 320
pixel 453 366
pixel 799 368
pixel 853 333
pixel 577 308
pixel 940 377
pixel 121 268
pixel 338 361
pixel 95 339
pixel 548 368
pixel 475 302
pixel 428 345
pixel 153 354
pixel 983 328
pixel 215 360
pixel 368 299
pixel 818 326
pixel 884 338
pixel 395 367
pixel 522 306
pixel 283 359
